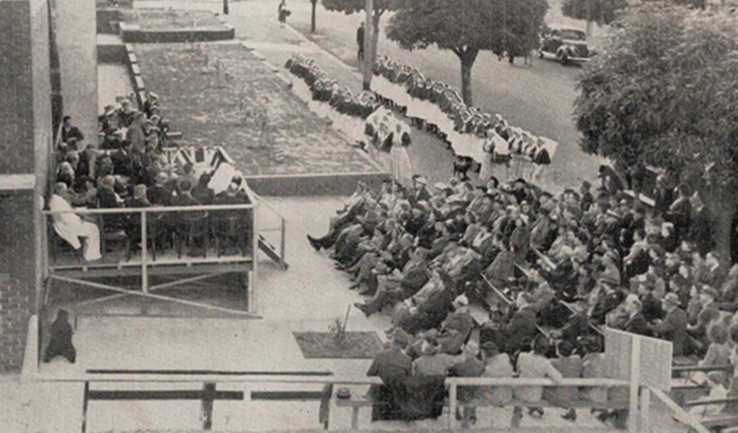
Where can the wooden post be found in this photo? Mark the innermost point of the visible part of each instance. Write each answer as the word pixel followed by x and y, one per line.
pixel 369 37
pixel 144 254
pixel 646 410
pixel 85 402
pixel 635 379
pixel 253 275
pixel 283 243
pixel 208 397
pixel 355 418
pixel 451 405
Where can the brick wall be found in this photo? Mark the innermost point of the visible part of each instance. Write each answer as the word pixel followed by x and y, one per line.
pixel 17 303
pixel 17 275
pixel 16 103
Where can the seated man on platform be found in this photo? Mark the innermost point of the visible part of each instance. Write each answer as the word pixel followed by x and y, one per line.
pixel 107 198
pixel 71 227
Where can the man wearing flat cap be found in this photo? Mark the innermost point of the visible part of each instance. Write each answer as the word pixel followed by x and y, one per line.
pixel 674 326
pixel 420 191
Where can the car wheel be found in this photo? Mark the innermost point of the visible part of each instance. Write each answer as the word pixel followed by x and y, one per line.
pixel 564 59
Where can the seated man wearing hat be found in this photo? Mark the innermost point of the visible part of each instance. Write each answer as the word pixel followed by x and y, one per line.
pixel 391 365
pixel 610 297
pixel 674 326
pixel 457 326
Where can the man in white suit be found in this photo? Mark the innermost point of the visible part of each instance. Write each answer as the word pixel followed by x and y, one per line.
pixel 71 227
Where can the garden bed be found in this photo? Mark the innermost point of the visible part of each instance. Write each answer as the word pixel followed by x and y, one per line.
pixel 171 25
pixel 222 95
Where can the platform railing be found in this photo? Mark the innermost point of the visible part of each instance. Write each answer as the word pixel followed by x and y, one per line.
pixel 280 228
pixel 245 212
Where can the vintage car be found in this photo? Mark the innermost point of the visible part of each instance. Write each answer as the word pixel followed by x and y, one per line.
pixel 565 44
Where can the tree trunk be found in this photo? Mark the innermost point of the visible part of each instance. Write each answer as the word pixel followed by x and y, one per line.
pixel 723 209
pixel 312 16
pixel 375 36
pixel 368 42
pixel 467 57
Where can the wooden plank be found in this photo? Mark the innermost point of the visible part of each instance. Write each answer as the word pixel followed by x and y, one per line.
pixel 287 395
pixel 720 422
pixel 140 395
pixel 680 413
pixel 14 182
pixel 709 401
pixel 211 372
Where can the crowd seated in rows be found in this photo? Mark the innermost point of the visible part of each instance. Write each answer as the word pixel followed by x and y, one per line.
pixel 542 265
pixel 132 171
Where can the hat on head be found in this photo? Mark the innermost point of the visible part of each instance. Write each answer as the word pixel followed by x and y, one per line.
pixel 421 180
pixel 161 178
pixel 472 348
pixel 461 301
pixel 607 279
pixel 671 299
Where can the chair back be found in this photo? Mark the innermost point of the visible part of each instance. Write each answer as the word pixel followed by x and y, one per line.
pixel 195 224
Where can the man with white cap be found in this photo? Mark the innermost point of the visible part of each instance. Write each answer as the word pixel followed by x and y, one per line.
pixel 420 191
pixel 457 326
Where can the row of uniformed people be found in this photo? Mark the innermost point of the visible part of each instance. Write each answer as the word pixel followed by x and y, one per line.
pixel 325 89
pixel 441 110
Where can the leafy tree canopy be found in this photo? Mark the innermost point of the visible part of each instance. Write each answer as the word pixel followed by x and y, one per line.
pixel 354 6
pixel 467 27
pixel 600 11
pixel 664 92
pixel 496 25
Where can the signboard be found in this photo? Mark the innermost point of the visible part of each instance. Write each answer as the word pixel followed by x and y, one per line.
pixel 653 358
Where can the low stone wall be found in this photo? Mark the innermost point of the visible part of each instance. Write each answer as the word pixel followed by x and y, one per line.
pixel 132 33
pixel 311 185
pixel 108 21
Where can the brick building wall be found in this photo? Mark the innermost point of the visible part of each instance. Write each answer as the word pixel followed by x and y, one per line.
pixel 25 138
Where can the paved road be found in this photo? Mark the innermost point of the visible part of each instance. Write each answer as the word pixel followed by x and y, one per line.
pixel 537 98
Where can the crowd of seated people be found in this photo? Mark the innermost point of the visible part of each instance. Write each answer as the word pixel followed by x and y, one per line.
pixel 129 171
pixel 559 266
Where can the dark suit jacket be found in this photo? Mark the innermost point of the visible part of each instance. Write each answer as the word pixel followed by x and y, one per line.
pixel 391 364
pixel 158 195
pixel 604 305
pixel 638 325
pixel 674 329
pixel 522 327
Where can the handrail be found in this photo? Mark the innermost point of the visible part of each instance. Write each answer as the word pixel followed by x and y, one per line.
pixel 690 368
pixel 282 226
pixel 545 382
pixel 680 413
pixel 364 381
pixel 156 209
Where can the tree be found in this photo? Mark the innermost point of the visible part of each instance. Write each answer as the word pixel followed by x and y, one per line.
pixel 313 14
pixel 602 12
pixel 663 93
pixel 355 6
pixel 468 26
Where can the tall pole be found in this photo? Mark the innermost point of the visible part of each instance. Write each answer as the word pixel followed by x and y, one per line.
pixel 225 7
pixel 368 38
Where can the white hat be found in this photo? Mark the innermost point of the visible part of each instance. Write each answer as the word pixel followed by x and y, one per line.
pixel 461 301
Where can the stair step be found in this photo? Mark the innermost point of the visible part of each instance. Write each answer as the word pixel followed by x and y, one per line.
pixel 271 251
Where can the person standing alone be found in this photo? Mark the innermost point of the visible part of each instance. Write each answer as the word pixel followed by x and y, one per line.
pixel 283 13
pixel 360 41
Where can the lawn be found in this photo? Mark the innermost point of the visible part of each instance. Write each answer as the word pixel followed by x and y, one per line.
pixel 220 94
